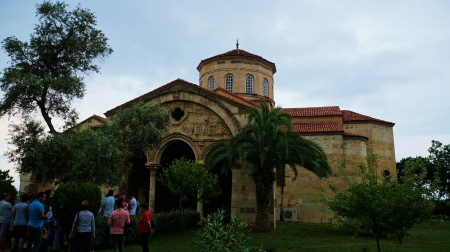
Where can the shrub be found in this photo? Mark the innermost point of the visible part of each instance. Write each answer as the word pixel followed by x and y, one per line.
pixel 168 222
pixel 67 199
pixel 102 235
pixel 219 237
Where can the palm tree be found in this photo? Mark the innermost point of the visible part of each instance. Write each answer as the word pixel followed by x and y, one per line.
pixel 267 143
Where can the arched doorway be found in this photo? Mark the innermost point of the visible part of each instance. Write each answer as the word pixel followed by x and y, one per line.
pixel 223 201
pixel 138 181
pixel 164 199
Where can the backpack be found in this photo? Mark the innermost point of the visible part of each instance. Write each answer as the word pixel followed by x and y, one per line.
pixel 137 207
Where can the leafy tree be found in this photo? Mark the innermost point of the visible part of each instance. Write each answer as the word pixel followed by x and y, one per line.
pixel 267 143
pixel 190 182
pixel 6 186
pixel 4 175
pixel 46 74
pixel 437 166
pixel 440 158
pixel 383 206
pixel 101 155
pixel 66 201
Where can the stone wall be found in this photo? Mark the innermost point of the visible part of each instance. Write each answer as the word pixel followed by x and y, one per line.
pixel 381 140
pixel 302 192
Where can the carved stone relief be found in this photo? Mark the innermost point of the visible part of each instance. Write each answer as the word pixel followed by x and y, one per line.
pixel 196 121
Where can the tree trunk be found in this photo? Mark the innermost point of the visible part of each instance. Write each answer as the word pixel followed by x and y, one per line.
pixel 378 243
pixel 264 185
pixel 181 220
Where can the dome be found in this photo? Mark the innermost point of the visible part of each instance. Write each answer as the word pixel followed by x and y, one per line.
pixel 238 71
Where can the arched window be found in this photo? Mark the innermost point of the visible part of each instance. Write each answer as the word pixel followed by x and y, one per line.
pixel 248 84
pixel 211 83
pixel 229 83
pixel 265 88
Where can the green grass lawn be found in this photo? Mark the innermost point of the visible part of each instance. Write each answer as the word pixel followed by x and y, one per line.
pixel 319 237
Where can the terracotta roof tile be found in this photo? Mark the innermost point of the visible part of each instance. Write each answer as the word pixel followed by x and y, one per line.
pixel 154 91
pixel 349 134
pixel 313 111
pixel 350 116
pixel 267 99
pixel 241 99
pixel 236 53
pixel 317 127
pixel 99 118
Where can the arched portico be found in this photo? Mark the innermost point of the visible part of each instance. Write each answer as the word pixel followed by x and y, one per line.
pixel 173 147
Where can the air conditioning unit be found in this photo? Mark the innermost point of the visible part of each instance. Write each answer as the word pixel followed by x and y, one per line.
pixel 277 214
pixel 290 214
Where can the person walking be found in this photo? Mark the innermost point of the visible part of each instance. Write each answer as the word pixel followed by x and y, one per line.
pixel 5 219
pixel 145 226
pixel 116 221
pixel 19 215
pixel 85 229
pixel 108 204
pixel 36 220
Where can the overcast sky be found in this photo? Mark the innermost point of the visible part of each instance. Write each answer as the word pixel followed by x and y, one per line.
pixel 385 59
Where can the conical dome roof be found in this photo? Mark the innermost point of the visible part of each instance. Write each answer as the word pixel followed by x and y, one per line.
pixel 235 54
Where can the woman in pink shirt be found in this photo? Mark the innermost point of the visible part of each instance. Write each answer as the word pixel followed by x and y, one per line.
pixel 116 222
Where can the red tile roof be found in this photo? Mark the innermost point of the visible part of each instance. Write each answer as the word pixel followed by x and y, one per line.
pixel 241 99
pixel 348 134
pixel 174 82
pixel 238 53
pixel 258 100
pixel 313 111
pixel 350 116
pixel 317 127
pixel 96 117
pixel 99 118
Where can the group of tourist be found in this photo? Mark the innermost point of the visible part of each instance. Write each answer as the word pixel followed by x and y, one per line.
pixel 25 222
pixel 34 228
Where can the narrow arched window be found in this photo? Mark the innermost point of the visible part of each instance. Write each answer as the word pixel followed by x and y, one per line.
pixel 229 83
pixel 211 83
pixel 265 88
pixel 248 84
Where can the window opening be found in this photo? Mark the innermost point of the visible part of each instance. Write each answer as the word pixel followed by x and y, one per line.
pixel 229 83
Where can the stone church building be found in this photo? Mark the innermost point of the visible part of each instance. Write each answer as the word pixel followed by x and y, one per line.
pixel 215 109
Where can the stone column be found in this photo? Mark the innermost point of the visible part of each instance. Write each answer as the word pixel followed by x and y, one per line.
pixel 199 204
pixel 200 211
pixel 152 192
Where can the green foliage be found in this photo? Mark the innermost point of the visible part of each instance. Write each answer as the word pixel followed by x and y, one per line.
pixel 167 222
pixel 170 221
pixel 102 156
pixel 139 127
pixel 67 199
pixel 7 187
pixel 216 236
pixel 189 181
pixel 103 237
pixel 437 166
pixel 46 74
pixel 383 206
pixel 440 158
pixel 185 179
pixel 442 208
pixel 4 175
pixel 267 143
